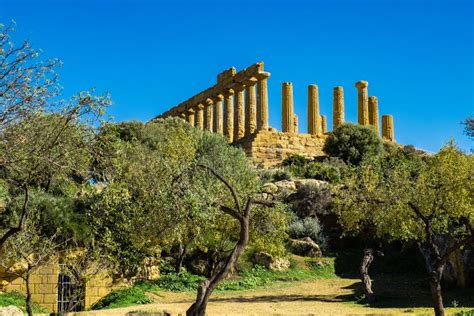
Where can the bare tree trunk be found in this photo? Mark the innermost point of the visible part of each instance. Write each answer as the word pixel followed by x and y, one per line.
pixel 198 308
pixel 180 258
pixel 436 293
pixel 364 274
pixel 29 310
pixel 207 287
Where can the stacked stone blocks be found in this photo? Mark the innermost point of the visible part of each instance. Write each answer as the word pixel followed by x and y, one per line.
pixel 244 119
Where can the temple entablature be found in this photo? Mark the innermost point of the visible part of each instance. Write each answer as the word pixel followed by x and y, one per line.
pixel 237 107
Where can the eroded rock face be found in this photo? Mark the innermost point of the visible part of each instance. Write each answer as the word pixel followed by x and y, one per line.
pixel 299 183
pixel 268 261
pixel 305 247
pixel 10 311
pixel 286 185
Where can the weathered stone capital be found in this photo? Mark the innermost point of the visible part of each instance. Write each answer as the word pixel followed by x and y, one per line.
pixel 218 98
pixel 238 87
pixel 209 101
pixel 251 81
pixel 228 93
pixel 338 88
pixel 373 98
pixel 361 84
pixel 200 106
pixel 262 75
pixel 190 111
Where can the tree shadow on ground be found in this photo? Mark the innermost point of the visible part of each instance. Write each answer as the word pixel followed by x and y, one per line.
pixel 399 281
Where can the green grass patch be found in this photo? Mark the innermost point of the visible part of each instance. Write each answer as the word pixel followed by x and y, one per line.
pixel 122 298
pixel 19 300
pixel 255 277
pixel 260 277
pixel 466 313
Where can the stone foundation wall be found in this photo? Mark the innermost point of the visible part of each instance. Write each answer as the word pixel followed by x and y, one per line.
pixel 44 286
pixel 268 148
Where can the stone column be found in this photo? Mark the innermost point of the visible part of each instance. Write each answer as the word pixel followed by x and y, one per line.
pixel 313 110
pixel 324 124
pixel 337 107
pixel 199 116
pixel 250 108
pixel 388 132
pixel 363 102
pixel 190 116
pixel 287 107
pixel 208 120
pixel 228 115
pixel 239 113
pixel 262 104
pixel 295 124
pixel 218 126
pixel 374 113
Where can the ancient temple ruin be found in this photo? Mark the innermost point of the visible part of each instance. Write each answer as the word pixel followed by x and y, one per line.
pixel 237 107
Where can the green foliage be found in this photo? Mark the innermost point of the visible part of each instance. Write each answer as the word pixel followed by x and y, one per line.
pixel 294 160
pixel 18 300
pixel 175 282
pixel 352 143
pixel 156 193
pixel 382 192
pixel 281 174
pixel 122 298
pixel 311 200
pixel 295 165
pixel 322 171
pixel 465 313
pixel 308 227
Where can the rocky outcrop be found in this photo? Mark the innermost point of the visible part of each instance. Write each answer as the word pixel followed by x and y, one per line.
pixel 10 311
pixel 268 261
pixel 305 247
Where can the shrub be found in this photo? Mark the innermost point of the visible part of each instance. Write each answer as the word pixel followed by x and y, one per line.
pixel 296 165
pixel 352 143
pixel 466 313
pixel 310 201
pixel 281 174
pixel 183 281
pixel 295 160
pixel 123 297
pixel 307 227
pixel 322 171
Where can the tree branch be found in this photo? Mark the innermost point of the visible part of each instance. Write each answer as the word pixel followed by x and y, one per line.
pixel 25 211
pixel 226 183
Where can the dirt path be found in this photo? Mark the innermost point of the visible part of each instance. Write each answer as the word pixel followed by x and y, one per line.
pixel 316 297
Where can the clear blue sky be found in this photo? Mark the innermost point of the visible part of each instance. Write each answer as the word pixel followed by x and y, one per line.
pixel 416 55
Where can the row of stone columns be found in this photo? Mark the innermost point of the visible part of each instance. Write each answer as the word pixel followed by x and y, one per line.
pixel 368 113
pixel 236 113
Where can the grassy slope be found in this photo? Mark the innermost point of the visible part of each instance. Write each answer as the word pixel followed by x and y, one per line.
pixel 257 277
pixel 18 299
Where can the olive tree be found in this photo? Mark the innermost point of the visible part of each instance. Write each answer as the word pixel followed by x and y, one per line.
pixel 427 199
pixel 165 182
pixel 42 138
